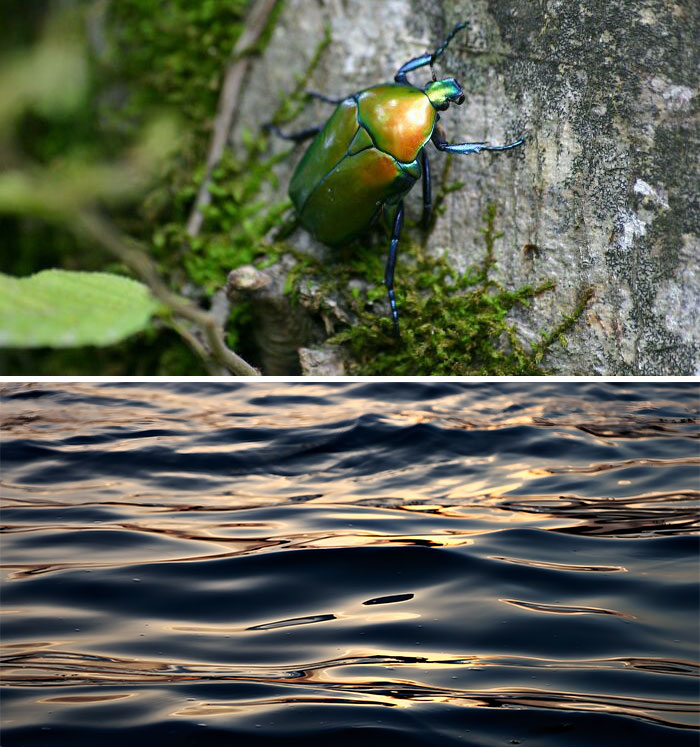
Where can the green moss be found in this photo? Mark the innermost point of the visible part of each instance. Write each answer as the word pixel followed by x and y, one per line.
pixel 235 223
pixel 174 53
pixel 240 215
pixel 453 324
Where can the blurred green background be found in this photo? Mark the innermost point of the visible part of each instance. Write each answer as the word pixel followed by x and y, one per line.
pixel 111 105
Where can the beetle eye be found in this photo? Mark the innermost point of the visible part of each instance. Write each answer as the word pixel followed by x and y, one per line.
pixel 460 100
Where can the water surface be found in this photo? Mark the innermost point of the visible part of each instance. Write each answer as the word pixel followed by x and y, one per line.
pixel 364 563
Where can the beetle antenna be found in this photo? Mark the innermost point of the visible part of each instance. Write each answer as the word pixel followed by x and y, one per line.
pixel 432 71
pixel 439 51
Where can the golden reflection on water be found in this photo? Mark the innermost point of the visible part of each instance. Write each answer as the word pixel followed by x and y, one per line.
pixel 340 681
pixel 88 698
pixel 406 694
pixel 314 408
pixel 562 609
pixel 358 540
pixel 204 536
pixel 563 566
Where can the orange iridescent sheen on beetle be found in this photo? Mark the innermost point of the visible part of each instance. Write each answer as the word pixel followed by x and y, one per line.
pixel 402 118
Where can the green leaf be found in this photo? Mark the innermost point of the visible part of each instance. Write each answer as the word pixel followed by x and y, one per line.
pixel 61 309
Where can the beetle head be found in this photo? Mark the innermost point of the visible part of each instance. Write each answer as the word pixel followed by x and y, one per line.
pixel 444 92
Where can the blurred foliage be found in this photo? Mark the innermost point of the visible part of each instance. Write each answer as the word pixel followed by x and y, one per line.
pixel 60 308
pixel 73 181
pixel 82 123
pixel 50 78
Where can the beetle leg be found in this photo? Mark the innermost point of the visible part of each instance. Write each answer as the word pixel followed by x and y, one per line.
pixel 411 65
pixel 323 97
pixel 391 264
pixel 427 189
pixel 297 137
pixel 429 57
pixel 465 148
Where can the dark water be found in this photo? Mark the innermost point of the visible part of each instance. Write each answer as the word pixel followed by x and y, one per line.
pixel 365 564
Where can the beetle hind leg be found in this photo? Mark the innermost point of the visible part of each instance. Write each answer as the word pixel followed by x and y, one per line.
pixel 324 98
pixel 297 137
pixel 391 265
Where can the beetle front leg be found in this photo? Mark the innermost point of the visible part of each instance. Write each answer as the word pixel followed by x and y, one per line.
pixel 411 65
pixel 429 57
pixel 391 264
pixel 427 190
pixel 465 148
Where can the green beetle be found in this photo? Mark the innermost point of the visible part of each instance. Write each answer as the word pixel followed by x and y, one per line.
pixel 370 153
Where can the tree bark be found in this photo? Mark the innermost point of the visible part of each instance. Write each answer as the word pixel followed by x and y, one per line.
pixel 604 192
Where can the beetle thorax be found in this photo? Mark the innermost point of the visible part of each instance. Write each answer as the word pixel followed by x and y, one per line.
pixel 444 92
pixel 399 118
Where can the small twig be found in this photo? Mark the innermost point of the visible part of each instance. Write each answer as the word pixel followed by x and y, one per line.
pixel 92 225
pixel 228 104
pixel 196 346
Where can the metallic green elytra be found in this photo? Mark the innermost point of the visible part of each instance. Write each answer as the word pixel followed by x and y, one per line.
pixel 370 153
pixel 363 159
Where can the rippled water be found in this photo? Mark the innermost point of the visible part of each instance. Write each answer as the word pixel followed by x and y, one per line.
pixel 366 563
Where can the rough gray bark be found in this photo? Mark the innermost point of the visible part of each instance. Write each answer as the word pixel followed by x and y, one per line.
pixel 282 327
pixel 605 93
